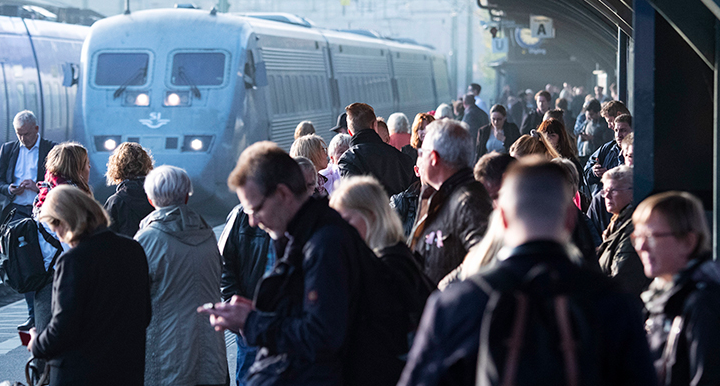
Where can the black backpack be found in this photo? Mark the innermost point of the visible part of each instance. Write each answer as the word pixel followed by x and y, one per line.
pixel 535 330
pixel 21 258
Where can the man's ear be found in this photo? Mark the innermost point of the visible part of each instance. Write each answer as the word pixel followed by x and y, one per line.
pixel 434 158
pixel 503 217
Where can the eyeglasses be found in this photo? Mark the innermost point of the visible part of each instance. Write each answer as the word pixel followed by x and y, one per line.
pixel 651 238
pixel 258 207
pixel 608 192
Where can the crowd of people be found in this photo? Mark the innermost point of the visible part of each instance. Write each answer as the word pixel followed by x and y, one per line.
pixel 475 244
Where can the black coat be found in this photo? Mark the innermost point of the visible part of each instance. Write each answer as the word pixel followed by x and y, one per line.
pixel 531 122
pixel 475 118
pixel 694 297
pixel 245 255
pixel 406 206
pixel 101 308
pixel 8 159
pixel 369 155
pixel 445 351
pixel 128 206
pixel 456 219
pixel 511 135
pixel 306 318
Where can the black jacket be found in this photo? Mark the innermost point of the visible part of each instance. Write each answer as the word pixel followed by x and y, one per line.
pixel 511 135
pixel 245 255
pixel 693 297
pixel 8 159
pixel 531 122
pixel 101 308
pixel 307 319
pixel 369 155
pixel 445 350
pixel 475 118
pixel 128 206
pixel 406 206
pixel 609 156
pixel 456 219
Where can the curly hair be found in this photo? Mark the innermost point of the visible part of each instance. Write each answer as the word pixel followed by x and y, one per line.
pixel 129 160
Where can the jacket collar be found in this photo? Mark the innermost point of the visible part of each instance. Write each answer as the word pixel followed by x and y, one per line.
pixel 460 178
pixel 365 136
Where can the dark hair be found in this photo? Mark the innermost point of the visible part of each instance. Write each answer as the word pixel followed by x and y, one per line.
pixel 544 94
pixel 360 116
pixel 613 109
pixel 498 109
pixel 469 99
pixel 556 114
pixel 561 103
pixel 475 87
pixel 491 167
pixel 624 118
pixel 592 105
pixel 268 166
pixel 565 145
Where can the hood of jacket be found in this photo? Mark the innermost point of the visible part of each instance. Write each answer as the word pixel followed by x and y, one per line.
pixel 180 222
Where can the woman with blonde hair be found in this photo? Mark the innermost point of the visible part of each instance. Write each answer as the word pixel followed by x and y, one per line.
pixel 312 147
pixel 127 167
pixel 532 144
pixel 363 203
pixel 101 286
pixel 418 134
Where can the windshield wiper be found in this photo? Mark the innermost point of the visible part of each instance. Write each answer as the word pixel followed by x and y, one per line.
pixel 188 81
pixel 141 73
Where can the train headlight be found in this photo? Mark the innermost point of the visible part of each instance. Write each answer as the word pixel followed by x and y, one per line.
pixel 142 99
pixel 136 98
pixel 107 143
pixel 177 98
pixel 110 144
pixel 196 143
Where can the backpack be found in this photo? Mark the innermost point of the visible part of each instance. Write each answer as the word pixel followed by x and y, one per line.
pixel 535 330
pixel 22 265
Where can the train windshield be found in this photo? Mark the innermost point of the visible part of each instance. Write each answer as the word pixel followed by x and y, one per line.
pixel 121 69
pixel 198 69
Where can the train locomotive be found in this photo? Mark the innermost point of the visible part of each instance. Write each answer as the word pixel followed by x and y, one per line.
pixel 196 87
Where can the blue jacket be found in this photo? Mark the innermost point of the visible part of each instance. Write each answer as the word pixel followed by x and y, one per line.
pixel 609 156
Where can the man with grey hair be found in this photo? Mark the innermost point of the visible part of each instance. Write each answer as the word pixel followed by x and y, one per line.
pixel 185 269
pixel 22 166
pixel 399 128
pixel 457 212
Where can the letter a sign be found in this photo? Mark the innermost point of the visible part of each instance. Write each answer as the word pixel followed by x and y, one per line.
pixel 542 27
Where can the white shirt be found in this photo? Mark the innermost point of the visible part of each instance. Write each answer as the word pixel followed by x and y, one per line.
pixel 26 168
pixel 481 104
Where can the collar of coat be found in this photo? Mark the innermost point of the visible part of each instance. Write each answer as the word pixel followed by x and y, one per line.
pixel 365 136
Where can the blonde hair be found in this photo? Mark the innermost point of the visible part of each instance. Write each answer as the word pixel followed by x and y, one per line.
pixel 365 195
pixel 129 160
pixel 310 146
pixel 485 252
pixel 76 209
pixel 304 128
pixel 68 160
pixel 529 145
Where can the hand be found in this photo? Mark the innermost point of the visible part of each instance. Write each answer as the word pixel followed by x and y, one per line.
pixel 229 316
pixel 16 190
pixel 586 137
pixel 29 185
pixel 33 336
pixel 598 170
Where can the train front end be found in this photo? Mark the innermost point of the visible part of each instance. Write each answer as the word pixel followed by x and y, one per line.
pixel 167 79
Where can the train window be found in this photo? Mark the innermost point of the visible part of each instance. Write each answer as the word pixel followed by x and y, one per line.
pixel 121 69
pixel 31 102
pixel 198 69
pixel 21 96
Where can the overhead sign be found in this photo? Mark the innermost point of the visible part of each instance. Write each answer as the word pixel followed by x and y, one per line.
pixel 542 27
pixel 500 45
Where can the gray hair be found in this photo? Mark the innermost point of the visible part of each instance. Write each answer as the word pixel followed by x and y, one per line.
pixel 398 123
pixel 622 175
pixel 339 144
pixel 25 117
pixel 444 111
pixel 167 185
pixel 451 140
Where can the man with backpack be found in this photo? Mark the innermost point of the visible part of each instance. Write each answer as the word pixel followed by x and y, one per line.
pixel 311 316
pixel 535 318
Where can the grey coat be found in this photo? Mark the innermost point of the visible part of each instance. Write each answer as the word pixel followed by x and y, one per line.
pixel 185 267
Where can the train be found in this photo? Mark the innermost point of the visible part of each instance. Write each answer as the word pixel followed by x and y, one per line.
pixel 39 71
